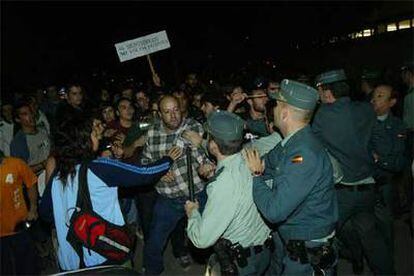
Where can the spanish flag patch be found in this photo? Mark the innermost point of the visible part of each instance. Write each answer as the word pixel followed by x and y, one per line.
pixel 297 159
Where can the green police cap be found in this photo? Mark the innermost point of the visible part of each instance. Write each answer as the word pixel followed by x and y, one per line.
pixel 225 125
pixel 369 74
pixel 331 76
pixel 296 94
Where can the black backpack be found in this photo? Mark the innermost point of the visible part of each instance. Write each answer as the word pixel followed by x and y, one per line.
pixel 90 230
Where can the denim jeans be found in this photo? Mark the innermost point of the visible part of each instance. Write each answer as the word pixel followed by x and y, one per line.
pixel 167 213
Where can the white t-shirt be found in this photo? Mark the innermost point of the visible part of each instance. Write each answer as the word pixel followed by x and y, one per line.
pixel 6 136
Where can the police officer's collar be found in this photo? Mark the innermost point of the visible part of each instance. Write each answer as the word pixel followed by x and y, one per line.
pixel 222 163
pixel 343 99
pixel 382 118
pixel 287 138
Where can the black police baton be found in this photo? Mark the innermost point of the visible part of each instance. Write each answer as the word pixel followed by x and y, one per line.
pixel 190 173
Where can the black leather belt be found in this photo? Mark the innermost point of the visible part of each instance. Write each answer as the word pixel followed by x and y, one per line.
pixel 253 250
pixel 259 248
pixel 356 188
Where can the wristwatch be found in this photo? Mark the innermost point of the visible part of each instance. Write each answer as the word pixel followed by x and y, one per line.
pixel 257 173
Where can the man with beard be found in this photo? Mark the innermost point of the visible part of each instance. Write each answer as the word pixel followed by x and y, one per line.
pixel 172 189
pixel 256 119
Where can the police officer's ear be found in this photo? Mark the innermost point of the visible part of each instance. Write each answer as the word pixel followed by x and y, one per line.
pixel 393 101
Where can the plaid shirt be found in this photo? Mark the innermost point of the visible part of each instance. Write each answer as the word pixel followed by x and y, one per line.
pixel 159 143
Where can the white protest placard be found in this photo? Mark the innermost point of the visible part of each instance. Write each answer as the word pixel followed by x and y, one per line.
pixel 142 46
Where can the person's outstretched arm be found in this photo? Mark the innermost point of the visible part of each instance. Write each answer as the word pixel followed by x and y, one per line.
pixel 117 173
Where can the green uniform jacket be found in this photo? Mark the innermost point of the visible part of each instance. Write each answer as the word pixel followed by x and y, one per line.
pixel 230 211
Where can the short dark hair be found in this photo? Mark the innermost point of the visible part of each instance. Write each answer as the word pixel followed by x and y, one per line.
pixel 252 91
pixel 126 86
pixel 120 100
pixel 20 104
pixel 214 98
pixel 371 82
pixel 339 89
pixel 74 84
pixel 228 89
pixel 228 147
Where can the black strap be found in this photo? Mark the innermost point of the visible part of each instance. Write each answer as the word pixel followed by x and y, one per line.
pixel 189 162
pixel 84 197
pixel 83 202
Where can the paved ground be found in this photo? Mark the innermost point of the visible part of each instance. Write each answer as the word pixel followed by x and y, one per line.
pixel 403 257
pixel 403 260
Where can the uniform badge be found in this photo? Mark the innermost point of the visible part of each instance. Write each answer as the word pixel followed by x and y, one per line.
pixel 297 159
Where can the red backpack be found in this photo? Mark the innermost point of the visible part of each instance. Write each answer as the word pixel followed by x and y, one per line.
pixel 90 230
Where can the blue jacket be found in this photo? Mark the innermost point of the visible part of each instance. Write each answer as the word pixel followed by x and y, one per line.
pixel 302 199
pixel 104 176
pixel 345 129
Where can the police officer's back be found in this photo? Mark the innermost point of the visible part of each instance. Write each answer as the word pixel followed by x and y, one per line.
pixel 230 218
pixel 346 129
pixel 302 200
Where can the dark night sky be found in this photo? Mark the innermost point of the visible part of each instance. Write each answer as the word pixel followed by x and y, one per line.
pixel 44 41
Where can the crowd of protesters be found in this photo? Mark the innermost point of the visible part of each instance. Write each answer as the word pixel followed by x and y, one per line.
pixel 144 132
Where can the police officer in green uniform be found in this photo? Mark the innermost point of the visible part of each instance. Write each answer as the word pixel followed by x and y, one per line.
pixel 230 218
pixel 346 129
pixel 293 187
pixel 407 75
pixel 391 156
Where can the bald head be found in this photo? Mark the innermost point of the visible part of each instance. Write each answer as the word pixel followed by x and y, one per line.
pixel 170 113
